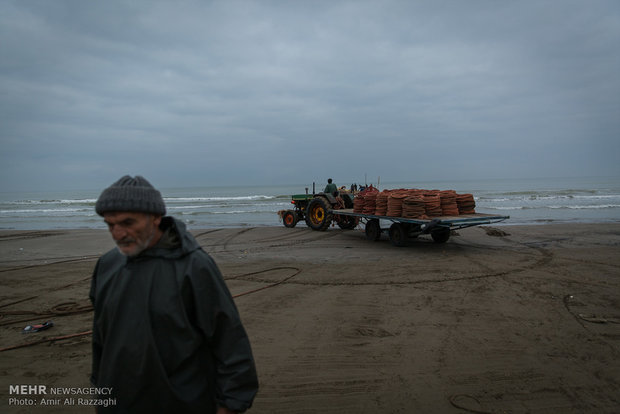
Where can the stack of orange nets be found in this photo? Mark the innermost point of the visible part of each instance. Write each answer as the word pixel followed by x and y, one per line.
pixel 466 203
pixel 395 203
pixel 382 203
pixel 358 203
pixel 413 203
pixel 370 203
pixel 432 203
pixel 448 203
pixel 414 207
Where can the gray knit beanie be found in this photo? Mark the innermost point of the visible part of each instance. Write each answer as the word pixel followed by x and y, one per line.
pixel 131 194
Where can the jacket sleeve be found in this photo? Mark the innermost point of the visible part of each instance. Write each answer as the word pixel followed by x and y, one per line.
pixel 96 340
pixel 217 316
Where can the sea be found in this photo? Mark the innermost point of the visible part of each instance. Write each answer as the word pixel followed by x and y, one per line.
pixel 537 201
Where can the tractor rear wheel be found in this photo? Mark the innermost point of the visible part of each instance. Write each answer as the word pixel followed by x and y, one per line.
pixel 318 215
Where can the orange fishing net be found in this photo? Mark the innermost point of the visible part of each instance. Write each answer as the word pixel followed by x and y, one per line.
pixel 432 203
pixel 359 202
pixel 395 203
pixel 448 203
pixel 413 203
pixel 382 203
pixel 370 202
pixel 466 203
pixel 414 207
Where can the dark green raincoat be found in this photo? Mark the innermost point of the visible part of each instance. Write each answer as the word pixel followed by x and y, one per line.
pixel 167 336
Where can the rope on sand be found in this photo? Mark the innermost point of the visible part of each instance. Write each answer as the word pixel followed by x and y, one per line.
pixel 62 309
pixel 42 341
pixel 70 308
pixel 453 400
pixel 296 269
pixel 71 260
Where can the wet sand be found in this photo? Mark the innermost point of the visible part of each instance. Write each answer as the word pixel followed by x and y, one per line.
pixel 512 319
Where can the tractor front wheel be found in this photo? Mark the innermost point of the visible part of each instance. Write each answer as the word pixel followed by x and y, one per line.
pixel 289 218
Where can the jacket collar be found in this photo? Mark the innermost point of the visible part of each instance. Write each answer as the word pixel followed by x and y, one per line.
pixel 176 241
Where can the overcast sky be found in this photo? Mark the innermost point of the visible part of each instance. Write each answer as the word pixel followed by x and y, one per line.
pixel 257 92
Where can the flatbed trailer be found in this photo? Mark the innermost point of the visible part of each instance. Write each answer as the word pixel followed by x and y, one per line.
pixel 402 229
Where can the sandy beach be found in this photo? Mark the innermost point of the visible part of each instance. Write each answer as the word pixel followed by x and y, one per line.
pixel 511 319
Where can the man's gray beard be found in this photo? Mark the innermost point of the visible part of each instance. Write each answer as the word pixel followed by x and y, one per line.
pixel 140 246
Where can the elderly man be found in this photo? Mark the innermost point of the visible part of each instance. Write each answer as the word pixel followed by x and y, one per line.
pixel 167 337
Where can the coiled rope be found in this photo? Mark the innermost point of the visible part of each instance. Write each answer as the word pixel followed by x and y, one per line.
pixel 73 308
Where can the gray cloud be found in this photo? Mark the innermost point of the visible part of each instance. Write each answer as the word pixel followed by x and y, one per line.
pixel 198 93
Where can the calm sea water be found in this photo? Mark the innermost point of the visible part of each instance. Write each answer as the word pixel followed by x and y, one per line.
pixel 532 201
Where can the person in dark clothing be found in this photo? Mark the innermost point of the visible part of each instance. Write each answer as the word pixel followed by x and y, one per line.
pixel 330 188
pixel 167 336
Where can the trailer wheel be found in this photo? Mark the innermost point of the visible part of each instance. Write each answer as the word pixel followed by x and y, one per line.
pixel 440 235
pixel 398 234
pixel 373 230
pixel 347 222
pixel 318 216
pixel 289 218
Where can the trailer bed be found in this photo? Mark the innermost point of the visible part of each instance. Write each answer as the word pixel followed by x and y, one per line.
pixel 461 221
pixel 403 228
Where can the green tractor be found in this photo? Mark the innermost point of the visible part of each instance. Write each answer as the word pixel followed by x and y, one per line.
pixel 316 210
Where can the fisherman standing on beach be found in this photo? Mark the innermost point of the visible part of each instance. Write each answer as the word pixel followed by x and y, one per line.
pixel 167 336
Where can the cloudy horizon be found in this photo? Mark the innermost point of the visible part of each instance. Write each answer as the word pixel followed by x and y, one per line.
pixel 247 92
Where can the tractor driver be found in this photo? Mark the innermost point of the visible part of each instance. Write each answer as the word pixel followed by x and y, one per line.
pixel 330 188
